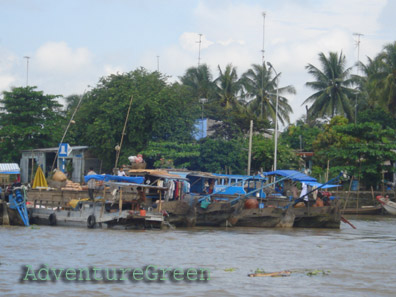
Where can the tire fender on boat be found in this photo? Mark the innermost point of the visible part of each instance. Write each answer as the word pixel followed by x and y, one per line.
pixel 91 222
pixel 52 219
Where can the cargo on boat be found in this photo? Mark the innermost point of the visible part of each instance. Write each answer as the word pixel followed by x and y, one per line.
pixel 114 209
pixel 307 213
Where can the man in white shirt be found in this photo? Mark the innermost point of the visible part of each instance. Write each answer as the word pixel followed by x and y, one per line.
pixel 121 172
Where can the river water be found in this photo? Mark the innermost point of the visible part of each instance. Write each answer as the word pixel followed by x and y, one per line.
pixel 355 262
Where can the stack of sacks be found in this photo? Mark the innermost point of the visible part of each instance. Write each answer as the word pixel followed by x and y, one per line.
pixel 70 186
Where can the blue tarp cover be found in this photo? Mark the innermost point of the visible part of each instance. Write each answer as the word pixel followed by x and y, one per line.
pixel 294 175
pixel 108 177
pixel 240 177
pixel 319 185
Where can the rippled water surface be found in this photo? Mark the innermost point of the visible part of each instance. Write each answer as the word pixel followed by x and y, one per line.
pixel 359 262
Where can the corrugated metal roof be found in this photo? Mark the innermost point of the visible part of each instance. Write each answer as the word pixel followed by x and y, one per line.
pixel 55 149
pixel 9 168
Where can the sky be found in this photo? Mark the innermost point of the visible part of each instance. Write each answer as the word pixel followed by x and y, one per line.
pixel 72 44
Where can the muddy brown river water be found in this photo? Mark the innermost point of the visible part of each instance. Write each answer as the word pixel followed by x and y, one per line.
pixel 345 262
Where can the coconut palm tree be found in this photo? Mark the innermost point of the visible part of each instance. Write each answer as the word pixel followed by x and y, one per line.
pixel 228 88
pixel 368 95
pixel 387 76
pixel 200 80
pixel 332 83
pixel 260 86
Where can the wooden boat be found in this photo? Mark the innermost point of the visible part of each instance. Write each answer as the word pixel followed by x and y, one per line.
pixel 214 214
pixel 9 216
pixel 116 212
pixel 95 215
pixel 318 217
pixel 268 217
pixel 388 205
pixel 179 213
pixel 364 210
pixel 307 216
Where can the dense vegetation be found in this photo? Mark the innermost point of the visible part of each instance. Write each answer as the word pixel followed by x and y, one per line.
pixel 350 122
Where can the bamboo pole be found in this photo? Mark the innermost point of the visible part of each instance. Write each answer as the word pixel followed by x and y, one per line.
pixel 123 133
pixel 160 201
pixel 349 192
pixel 120 203
pixel 67 128
pixel 103 201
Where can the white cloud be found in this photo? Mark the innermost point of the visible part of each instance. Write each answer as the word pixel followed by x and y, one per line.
pixel 111 69
pixel 6 81
pixel 190 41
pixel 7 75
pixel 59 57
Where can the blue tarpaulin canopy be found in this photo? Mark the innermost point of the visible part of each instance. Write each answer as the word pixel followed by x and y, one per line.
pixel 319 185
pixel 108 177
pixel 294 175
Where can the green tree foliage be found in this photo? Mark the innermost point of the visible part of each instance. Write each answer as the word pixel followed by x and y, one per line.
pixel 260 89
pixel 363 149
pixel 200 80
pixel 263 155
pixel 300 136
pixel 332 83
pixel 386 77
pixel 234 124
pixel 28 120
pixel 228 88
pixel 171 154
pixel 211 155
pixel 159 112
pixel 218 155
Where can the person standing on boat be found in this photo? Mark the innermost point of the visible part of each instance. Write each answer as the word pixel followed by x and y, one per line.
pixel 137 204
pixel 304 192
pixel 303 197
pixel 91 184
pixel 294 191
pixel 121 172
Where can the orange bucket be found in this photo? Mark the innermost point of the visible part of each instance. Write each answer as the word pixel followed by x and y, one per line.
pixel 143 212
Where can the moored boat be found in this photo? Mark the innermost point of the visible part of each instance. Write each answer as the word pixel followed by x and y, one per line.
pixel 307 216
pixel 364 210
pixel 387 204
pixel 268 217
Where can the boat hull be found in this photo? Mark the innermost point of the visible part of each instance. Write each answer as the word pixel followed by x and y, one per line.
pixel 388 205
pixel 94 216
pixel 216 214
pixel 369 210
pixel 317 217
pixel 269 217
pixel 179 213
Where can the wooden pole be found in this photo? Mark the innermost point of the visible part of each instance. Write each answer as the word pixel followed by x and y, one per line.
pixel 250 147
pixel 123 133
pixel 327 170
pixel 103 201
pixel 349 192
pixel 120 202
pixel 160 201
